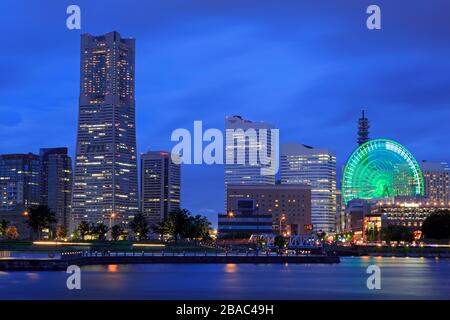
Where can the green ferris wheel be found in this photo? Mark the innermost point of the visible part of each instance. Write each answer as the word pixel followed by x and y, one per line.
pixel 381 168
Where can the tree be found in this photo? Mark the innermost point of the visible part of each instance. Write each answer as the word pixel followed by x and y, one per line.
pixel 84 229
pixel 117 232
pixel 177 224
pixel 280 242
pixel 397 233
pixel 3 227
pixel 437 225
pixel 198 227
pixel 139 226
pixel 321 235
pixel 12 233
pixel 61 232
pixel 181 224
pixel 40 217
pixel 160 229
pixel 99 230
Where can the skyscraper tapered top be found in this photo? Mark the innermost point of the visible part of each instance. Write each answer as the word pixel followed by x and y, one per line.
pixel 363 129
pixel 105 180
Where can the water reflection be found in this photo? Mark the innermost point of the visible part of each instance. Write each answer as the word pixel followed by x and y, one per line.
pixel 230 268
pixel 402 278
pixel 113 268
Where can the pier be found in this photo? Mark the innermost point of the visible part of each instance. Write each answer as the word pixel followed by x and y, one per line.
pixel 82 259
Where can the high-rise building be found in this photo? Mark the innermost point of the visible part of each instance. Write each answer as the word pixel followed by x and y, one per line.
pixel 238 141
pixel 160 185
pixel 363 129
pixel 56 183
pixel 258 209
pixel 436 178
pixel 301 164
pixel 340 212
pixel 19 181
pixel 105 179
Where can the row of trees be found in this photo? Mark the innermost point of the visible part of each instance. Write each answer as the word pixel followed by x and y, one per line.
pixel 391 233
pixel 179 224
pixel 436 227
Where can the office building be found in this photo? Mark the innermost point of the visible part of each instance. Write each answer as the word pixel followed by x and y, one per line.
pixel 238 141
pixel 436 178
pixel 56 183
pixel 160 185
pixel 340 213
pixel 258 209
pixel 19 182
pixel 301 164
pixel 105 179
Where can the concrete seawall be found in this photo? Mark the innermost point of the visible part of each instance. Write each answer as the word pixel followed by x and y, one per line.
pixel 59 265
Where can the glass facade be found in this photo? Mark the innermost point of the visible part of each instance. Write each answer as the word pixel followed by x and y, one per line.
pixel 56 183
pixel 105 180
pixel 302 164
pixel 160 185
pixel 19 181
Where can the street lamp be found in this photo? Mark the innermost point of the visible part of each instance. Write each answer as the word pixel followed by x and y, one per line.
pixel 111 217
pixel 230 215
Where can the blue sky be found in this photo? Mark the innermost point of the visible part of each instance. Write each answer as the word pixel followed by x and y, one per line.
pixel 308 67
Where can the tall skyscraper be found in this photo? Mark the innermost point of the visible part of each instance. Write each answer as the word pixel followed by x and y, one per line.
pixel 105 180
pixel 160 185
pixel 246 173
pixel 302 164
pixel 436 177
pixel 363 129
pixel 19 181
pixel 56 183
pixel 340 213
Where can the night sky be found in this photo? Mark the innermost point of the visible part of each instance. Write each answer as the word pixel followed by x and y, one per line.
pixel 308 67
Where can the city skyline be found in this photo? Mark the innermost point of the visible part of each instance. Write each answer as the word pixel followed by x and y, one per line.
pixel 163 82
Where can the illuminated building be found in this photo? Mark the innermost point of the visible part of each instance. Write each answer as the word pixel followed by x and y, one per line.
pixel 247 173
pixel 407 214
pixel 340 213
pixel 160 185
pixel 355 211
pixel 381 168
pixel 105 179
pixel 257 209
pixel 371 215
pixel 56 183
pixel 301 164
pixel 19 181
pixel 436 178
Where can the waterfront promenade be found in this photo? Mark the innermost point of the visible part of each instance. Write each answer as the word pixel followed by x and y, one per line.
pixel 84 259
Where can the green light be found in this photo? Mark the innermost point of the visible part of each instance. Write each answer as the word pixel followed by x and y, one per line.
pixel 381 168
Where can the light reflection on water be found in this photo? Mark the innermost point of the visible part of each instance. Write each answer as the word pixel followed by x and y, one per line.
pixel 401 278
pixel 230 267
